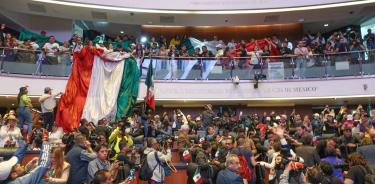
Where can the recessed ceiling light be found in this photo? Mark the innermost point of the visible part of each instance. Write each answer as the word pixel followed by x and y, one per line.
pixel 122 32
pixel 325 25
pixel 301 20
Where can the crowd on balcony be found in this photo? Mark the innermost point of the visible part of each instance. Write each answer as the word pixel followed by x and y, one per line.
pixel 177 46
pixel 220 146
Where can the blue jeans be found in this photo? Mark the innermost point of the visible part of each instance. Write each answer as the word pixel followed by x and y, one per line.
pixel 24 116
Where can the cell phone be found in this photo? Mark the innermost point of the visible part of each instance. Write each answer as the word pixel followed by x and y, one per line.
pixel 131 174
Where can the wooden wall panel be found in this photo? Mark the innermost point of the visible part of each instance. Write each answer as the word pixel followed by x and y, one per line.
pixel 291 31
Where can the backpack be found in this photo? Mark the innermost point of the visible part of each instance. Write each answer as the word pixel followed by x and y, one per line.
pixel 244 169
pixel 145 172
pixel 369 177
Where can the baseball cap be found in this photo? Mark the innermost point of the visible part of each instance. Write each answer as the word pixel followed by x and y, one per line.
pixel 6 167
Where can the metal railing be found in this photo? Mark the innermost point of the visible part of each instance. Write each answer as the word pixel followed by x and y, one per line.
pixel 358 63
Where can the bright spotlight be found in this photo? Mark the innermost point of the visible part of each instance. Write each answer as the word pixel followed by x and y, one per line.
pixel 143 39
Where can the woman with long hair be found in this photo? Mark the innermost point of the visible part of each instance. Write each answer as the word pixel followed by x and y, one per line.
pixel 23 112
pixel 59 171
pixel 358 168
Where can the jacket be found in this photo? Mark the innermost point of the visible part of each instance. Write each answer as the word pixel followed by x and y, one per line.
pixel 158 174
pixel 79 159
pixel 228 176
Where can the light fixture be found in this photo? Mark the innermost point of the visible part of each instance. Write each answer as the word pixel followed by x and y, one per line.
pixel 325 25
pixel 143 39
pixel 122 32
pixel 301 20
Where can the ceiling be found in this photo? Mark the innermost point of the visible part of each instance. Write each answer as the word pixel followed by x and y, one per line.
pixel 314 19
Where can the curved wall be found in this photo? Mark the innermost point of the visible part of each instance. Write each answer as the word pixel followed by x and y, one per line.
pixel 208 4
pixel 219 90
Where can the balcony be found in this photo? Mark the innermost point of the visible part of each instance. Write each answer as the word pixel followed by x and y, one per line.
pixel 288 67
pixel 342 75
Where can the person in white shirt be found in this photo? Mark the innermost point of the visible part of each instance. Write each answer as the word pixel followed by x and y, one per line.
pixel 10 133
pixel 56 134
pixel 48 103
pixel 155 158
pixel 255 55
pixel 51 49
pixel 302 52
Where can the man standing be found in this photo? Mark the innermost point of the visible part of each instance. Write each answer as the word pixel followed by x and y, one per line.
pixel 48 103
pixel 78 158
pixel 208 115
pixel 51 49
pixel 229 175
pixel 301 51
pixel 370 40
pixel 154 160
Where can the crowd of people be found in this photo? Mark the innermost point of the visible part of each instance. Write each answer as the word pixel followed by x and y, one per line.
pixel 220 146
pixel 257 51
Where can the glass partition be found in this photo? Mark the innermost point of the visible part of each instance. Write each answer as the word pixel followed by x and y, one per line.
pixel 362 63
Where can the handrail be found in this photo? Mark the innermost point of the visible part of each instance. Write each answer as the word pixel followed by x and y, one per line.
pixel 293 65
pixel 221 57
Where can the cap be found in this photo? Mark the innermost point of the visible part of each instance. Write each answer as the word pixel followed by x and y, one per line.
pixel 100 41
pixel 316 114
pixel 47 89
pixel 6 167
pixel 198 118
pixel 277 118
pixel 219 46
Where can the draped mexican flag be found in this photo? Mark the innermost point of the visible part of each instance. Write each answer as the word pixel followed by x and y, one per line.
pixel 150 99
pixel 101 85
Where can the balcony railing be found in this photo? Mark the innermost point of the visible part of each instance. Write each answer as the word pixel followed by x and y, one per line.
pixel 359 63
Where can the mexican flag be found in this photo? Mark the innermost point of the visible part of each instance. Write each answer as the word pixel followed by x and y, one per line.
pixel 150 99
pixel 197 178
pixel 201 140
pixel 102 85
pixel 186 154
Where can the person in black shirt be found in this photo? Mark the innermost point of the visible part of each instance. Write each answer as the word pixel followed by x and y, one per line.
pixel 329 126
pixel 347 143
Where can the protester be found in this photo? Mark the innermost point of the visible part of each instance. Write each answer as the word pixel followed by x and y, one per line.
pixel 79 157
pixel 229 175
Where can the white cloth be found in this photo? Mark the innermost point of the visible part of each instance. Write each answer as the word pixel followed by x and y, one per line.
pixel 6 134
pixel 255 56
pixel 58 134
pixel 101 101
pixel 49 100
pixel 51 49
